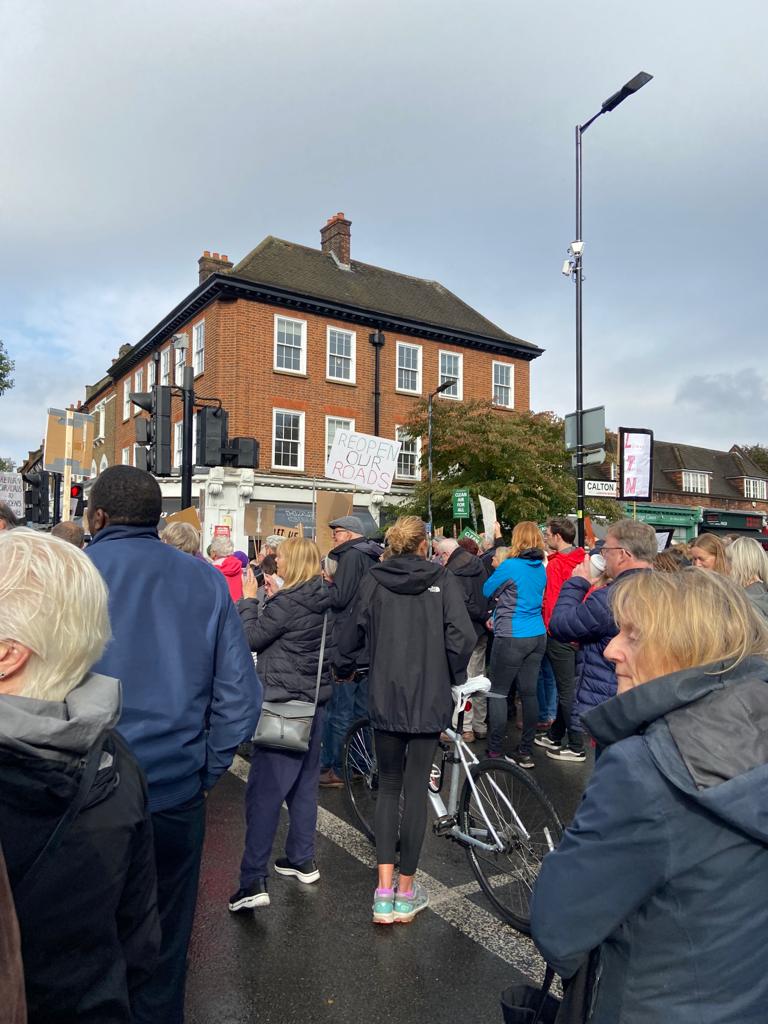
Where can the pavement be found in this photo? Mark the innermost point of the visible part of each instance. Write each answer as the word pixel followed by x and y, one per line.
pixel 313 954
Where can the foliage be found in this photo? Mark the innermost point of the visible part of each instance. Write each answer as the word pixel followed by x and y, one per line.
pixel 7 366
pixel 758 453
pixel 7 465
pixel 516 459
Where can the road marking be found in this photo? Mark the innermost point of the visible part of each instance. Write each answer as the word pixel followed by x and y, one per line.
pixel 449 902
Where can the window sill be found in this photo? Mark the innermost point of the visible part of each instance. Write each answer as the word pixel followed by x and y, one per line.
pixel 289 373
pixel 413 394
pixel 451 398
pixel 499 405
pixel 344 383
pixel 287 469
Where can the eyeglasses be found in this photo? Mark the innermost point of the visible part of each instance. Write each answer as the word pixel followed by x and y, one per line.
pixel 603 549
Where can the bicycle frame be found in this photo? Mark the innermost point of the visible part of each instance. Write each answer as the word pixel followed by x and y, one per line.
pixel 467 758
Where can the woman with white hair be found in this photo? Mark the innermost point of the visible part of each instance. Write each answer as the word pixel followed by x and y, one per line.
pixel 74 826
pixel 748 566
pixel 228 564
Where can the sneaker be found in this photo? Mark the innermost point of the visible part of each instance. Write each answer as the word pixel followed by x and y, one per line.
pixel 246 899
pixel 468 736
pixel 409 904
pixel 330 780
pixel 306 872
pixel 545 741
pixel 384 906
pixel 521 758
pixel 567 754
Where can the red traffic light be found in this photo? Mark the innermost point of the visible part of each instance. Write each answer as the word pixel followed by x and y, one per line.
pixel 76 491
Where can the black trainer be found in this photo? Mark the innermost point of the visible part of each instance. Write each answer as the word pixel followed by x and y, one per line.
pixel 246 899
pixel 521 758
pixel 306 872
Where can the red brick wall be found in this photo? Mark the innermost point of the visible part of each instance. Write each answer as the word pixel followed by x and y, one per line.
pixel 239 359
pixel 711 501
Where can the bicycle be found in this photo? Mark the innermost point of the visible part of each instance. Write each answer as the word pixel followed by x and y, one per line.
pixel 502 818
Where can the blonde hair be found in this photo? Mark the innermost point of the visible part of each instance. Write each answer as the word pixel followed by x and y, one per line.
pixel 526 535
pixel 405 535
pixel 713 546
pixel 301 559
pixel 687 618
pixel 182 536
pixel 501 555
pixel 747 561
pixel 53 601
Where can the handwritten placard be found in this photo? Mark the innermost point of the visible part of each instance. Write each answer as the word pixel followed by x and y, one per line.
pixel 363 461
pixel 635 464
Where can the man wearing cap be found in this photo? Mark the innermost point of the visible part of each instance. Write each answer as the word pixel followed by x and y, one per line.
pixel 353 555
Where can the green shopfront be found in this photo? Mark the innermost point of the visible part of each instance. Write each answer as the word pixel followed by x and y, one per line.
pixel 683 520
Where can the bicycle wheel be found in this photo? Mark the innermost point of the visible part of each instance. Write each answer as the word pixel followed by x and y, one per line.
pixel 361 775
pixel 526 825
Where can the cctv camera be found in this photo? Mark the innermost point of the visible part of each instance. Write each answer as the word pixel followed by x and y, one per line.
pixel 567 268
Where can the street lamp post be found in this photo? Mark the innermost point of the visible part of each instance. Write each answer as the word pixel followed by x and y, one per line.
pixel 574 265
pixel 443 387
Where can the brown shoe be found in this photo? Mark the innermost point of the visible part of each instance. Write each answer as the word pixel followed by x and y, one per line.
pixel 330 780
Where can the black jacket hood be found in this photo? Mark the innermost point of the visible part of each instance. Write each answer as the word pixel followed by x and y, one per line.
pixel 462 563
pixel 704 729
pixel 407 574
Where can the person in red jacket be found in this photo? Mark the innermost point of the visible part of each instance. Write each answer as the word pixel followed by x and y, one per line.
pixel 563 559
pixel 229 565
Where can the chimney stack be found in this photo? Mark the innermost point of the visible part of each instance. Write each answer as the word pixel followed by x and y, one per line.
pixel 213 263
pixel 335 238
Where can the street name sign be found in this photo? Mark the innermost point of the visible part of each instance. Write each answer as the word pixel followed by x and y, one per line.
pixel 601 488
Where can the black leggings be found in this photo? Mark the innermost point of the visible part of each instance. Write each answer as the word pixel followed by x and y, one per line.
pixel 405 761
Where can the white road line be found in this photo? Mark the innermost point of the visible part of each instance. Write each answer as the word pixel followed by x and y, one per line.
pixel 449 902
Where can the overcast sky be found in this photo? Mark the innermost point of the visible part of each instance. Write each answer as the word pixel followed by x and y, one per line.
pixel 137 134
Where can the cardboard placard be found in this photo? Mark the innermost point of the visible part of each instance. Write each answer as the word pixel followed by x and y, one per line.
pixel 186 515
pixel 55 449
pixel 12 492
pixel 488 510
pixel 330 505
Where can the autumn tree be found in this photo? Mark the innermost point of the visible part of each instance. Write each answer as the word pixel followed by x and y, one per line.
pixel 516 459
pixel 7 366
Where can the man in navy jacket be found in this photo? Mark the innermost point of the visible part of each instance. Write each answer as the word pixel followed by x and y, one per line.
pixel 190 696
pixel 630 546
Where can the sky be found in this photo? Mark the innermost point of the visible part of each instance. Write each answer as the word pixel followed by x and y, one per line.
pixel 138 134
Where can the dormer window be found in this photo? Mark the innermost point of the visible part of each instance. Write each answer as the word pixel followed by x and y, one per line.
pixel 754 489
pixel 695 483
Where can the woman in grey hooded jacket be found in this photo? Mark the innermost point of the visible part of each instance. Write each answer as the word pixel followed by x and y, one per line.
pixel 748 566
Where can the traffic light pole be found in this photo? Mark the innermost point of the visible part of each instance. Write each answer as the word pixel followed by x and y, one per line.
pixel 187 455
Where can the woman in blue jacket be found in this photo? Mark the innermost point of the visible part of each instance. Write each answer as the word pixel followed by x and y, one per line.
pixel 516 588
pixel 664 871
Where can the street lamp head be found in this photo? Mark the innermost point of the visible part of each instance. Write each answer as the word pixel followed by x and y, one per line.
pixel 445 385
pixel 180 341
pixel 641 79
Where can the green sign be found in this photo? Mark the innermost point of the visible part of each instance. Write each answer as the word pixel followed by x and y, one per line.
pixel 461 504
pixel 466 532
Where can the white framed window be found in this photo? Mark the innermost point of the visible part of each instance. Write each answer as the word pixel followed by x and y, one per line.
pixel 408 461
pixel 135 453
pixel 503 384
pixel 101 420
pixel 451 368
pixel 165 366
pixel 341 355
pixel 287 439
pixel 103 463
pixel 290 345
pixel 198 348
pixel 138 385
pixel 151 373
pixel 179 363
pixel 695 483
pixel 408 368
pixel 332 424
pixel 178 443
pixel 125 456
pixel 194 439
pixel 754 489
pixel 126 398
pixel 94 469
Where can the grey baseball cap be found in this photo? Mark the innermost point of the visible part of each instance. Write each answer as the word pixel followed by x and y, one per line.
pixel 351 523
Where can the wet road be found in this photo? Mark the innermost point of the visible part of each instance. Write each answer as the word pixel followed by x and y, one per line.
pixel 313 954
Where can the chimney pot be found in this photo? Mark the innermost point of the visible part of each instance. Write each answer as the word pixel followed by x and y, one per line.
pixel 335 238
pixel 206 252
pixel 212 263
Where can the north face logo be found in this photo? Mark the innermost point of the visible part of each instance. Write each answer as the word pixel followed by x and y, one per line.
pixel 434 590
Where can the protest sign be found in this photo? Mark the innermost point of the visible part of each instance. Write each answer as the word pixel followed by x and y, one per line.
pixel 488 510
pixel 635 464
pixel 12 492
pixel 470 535
pixel 330 505
pixel 185 515
pixel 363 461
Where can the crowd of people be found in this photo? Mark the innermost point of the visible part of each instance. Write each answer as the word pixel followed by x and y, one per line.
pixel 132 672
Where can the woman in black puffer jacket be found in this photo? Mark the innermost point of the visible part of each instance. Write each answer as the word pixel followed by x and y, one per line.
pixel 287 636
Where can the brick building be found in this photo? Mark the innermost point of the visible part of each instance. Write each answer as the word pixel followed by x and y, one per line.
pixel 284 339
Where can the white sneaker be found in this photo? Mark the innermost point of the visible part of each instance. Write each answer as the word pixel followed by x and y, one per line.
pixel 567 754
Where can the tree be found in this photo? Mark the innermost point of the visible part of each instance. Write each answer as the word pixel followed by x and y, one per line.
pixel 7 366
pixel 7 465
pixel 758 453
pixel 516 459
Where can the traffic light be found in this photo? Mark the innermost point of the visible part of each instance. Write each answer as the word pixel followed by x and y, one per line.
pixel 247 449
pixel 76 500
pixel 211 436
pixel 36 497
pixel 156 431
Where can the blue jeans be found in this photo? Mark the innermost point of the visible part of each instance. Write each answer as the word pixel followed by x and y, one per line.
pixel 348 702
pixel 546 691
